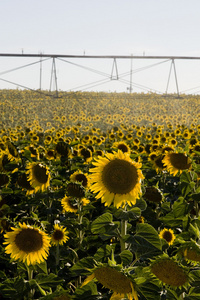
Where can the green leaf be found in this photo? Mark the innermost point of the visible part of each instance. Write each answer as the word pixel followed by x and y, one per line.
pixel 186 187
pixel 149 291
pixel 13 288
pixel 42 267
pixel 146 241
pixel 86 292
pixel 47 281
pixel 134 213
pixel 178 215
pixel 103 252
pixel 141 203
pixel 126 257
pixel 172 295
pixel 7 190
pixel 102 223
pixel 185 177
pixel 83 266
pixel 179 207
pixel 56 182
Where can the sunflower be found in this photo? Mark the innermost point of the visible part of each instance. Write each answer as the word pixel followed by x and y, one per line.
pixel 86 153
pixel 169 272
pixel 121 146
pixel 12 152
pixel 38 175
pixel 153 194
pixel 59 235
pixel 69 204
pixel 4 179
pixel 114 280
pixel 50 154
pixel 167 235
pixel 28 244
pixel 25 184
pixel 176 162
pixel 190 251
pixel 79 176
pixel 116 178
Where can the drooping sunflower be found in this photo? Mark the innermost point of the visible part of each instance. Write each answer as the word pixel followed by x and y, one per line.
pixel 153 194
pixel 25 184
pixel 114 280
pixel 38 175
pixel 168 235
pixel 169 272
pixel 116 178
pixel 27 243
pixel 59 235
pixel 12 152
pixel 176 162
pixel 190 251
pixel 4 179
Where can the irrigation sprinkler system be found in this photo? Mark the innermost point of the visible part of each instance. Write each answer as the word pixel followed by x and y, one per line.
pixel 114 75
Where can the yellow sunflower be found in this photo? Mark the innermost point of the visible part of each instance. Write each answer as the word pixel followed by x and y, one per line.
pixel 27 244
pixel 176 162
pixel 69 204
pixel 12 152
pixel 121 146
pixel 38 175
pixel 79 176
pixel 59 235
pixel 116 178
pixel 168 235
pixel 115 281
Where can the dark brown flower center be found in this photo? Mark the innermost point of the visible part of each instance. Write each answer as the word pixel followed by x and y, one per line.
pixel 119 176
pixel 167 235
pixel 179 161
pixel 82 178
pixel 39 173
pixel 123 148
pixel 29 240
pixel 58 235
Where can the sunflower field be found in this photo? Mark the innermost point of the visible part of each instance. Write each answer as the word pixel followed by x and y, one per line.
pixel 99 196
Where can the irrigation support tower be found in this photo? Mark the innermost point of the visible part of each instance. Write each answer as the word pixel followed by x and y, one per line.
pixel 114 72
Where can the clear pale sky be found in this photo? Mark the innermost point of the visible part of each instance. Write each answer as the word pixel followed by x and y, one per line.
pixel 100 27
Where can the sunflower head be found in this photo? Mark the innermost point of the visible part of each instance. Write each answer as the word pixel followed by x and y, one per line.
pixel 28 244
pixel 4 179
pixel 116 178
pixel 69 204
pixel 75 190
pixel 62 148
pixel 115 280
pixel 12 151
pixel 80 177
pixel 153 194
pixel 59 235
pixel 190 251
pixel 167 235
pixel 38 175
pixel 176 162
pixel 169 272
pixel 121 146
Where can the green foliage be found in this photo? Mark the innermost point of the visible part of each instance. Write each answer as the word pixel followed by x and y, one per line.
pixel 125 238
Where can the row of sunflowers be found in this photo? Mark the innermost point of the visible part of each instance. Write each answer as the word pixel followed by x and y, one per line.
pixel 99 196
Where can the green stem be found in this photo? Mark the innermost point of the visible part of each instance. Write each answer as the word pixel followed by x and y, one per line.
pixel 57 255
pixel 80 221
pixel 30 277
pixel 123 233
